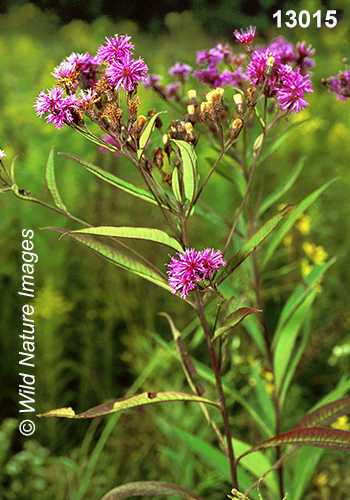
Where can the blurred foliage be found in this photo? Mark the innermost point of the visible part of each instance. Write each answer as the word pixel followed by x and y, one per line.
pixel 94 338
pixel 217 17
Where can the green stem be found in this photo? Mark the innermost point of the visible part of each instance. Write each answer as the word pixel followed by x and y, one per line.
pixel 222 400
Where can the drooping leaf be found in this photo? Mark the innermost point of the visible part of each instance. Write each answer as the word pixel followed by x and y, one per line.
pixel 290 221
pixel 149 488
pixel 320 437
pixel 253 243
pixel 146 134
pixel 118 258
pixel 126 403
pixel 190 175
pixel 233 319
pixel 113 180
pixel 51 181
pixel 325 415
pixel 142 233
pixel 283 188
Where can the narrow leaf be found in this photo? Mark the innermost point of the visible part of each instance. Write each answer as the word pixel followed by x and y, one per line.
pixel 141 488
pixel 51 181
pixel 175 185
pixel 287 341
pixel 325 415
pixel 290 221
pixel 285 186
pixel 233 319
pixel 113 180
pixel 253 243
pixel 126 403
pixel 146 134
pixel 118 258
pixel 141 233
pixel 189 169
pixel 320 437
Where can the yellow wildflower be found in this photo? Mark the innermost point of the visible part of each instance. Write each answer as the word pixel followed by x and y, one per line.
pixel 303 224
pixel 342 423
pixel 316 253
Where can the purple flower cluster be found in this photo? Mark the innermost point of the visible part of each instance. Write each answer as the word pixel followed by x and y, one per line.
pixel 58 106
pixel 287 79
pixel 340 85
pixel 190 267
pixel 213 75
pixel 64 104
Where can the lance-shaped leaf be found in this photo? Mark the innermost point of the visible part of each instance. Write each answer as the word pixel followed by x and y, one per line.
pixel 149 488
pixel 190 175
pixel 233 319
pixel 113 180
pixel 253 243
pixel 283 188
pixel 325 415
pixel 146 134
pixel 320 437
pixel 51 181
pixel 139 233
pixel 290 221
pixel 118 258
pixel 126 403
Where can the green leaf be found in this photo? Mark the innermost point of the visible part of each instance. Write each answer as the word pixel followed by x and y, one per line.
pixel 325 415
pixel 285 186
pixel 146 134
pixel 149 488
pixel 126 403
pixel 287 339
pixel 233 319
pixel 299 295
pixel 18 192
pixel 253 243
pixel 51 181
pixel 175 185
pixel 112 179
pixel 119 259
pixel 320 437
pixel 141 233
pixel 290 221
pixel 189 170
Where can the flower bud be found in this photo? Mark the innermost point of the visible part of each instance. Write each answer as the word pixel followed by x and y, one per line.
pixel 240 106
pixel 269 65
pixel 190 135
pixel 158 158
pixel 235 129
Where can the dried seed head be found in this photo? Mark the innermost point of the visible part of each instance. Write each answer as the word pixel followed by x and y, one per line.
pixel 133 105
pixel 158 158
pixel 250 97
pixel 204 111
pixel 180 126
pixel 190 135
pixel 167 145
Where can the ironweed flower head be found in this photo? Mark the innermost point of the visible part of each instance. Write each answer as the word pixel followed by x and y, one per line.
pixel 2 154
pixel 116 47
pixel 182 70
pixel 190 267
pixel 290 96
pixel 126 73
pixel 245 37
pixel 339 85
pixel 58 106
